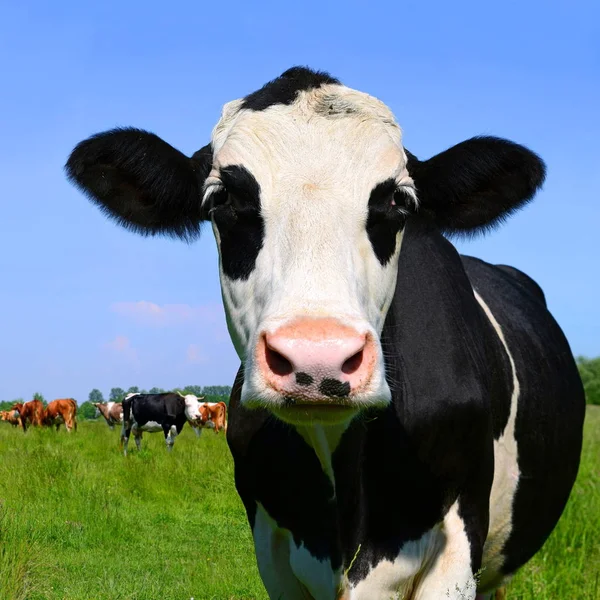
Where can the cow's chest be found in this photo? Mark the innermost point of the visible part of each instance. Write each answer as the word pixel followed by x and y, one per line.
pixel 436 565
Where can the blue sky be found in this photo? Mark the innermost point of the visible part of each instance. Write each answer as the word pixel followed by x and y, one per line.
pixel 84 304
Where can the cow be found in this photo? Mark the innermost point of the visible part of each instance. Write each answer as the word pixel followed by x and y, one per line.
pixel 61 411
pixel 214 415
pixel 406 421
pixel 166 412
pixel 11 416
pixel 30 412
pixel 111 411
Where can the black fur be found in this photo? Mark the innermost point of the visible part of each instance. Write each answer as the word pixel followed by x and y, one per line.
pixel 476 184
pixel 167 409
pixel 285 88
pixel 236 213
pixel 385 220
pixel 142 182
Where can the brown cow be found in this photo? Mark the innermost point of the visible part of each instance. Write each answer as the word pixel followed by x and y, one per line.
pixel 213 414
pixel 10 416
pixel 111 411
pixel 32 412
pixel 61 411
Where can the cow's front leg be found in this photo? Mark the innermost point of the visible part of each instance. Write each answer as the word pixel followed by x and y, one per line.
pixel 450 574
pixel 170 435
pixel 138 438
pixel 125 433
pixel 272 546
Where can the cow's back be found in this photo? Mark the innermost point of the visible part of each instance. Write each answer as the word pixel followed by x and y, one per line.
pixel 167 408
pixel 550 404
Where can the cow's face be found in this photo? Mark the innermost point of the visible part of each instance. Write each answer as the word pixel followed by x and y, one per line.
pixel 308 189
pixel 192 408
pixel 308 201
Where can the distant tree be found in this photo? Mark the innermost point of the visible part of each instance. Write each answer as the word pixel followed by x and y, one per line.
pixel 40 397
pixel 134 389
pixel 156 390
pixel 196 390
pixel 116 394
pixel 87 411
pixel 95 396
pixel 216 390
pixel 589 369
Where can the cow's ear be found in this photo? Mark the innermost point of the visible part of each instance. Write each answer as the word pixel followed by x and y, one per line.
pixel 142 182
pixel 476 184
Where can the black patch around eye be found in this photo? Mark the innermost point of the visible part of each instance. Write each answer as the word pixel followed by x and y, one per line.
pixel 386 218
pixel 235 211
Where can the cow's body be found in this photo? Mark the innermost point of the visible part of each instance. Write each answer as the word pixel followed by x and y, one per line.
pixel 213 415
pixel 31 412
pixel 167 412
pixel 61 411
pixel 406 423
pixel 449 452
pixel 111 411
pixel 10 416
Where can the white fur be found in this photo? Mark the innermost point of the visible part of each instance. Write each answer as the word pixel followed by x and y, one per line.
pixel 506 477
pixel 287 570
pixel 150 426
pixel 192 407
pixel 323 439
pixel 435 567
pixel 316 172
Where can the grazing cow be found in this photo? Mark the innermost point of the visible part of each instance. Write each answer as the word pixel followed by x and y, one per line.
pixel 111 411
pixel 214 415
pixel 10 416
pixel 61 411
pixel 167 412
pixel 404 417
pixel 30 412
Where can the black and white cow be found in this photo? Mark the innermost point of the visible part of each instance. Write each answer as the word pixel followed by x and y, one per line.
pixel 405 418
pixel 167 412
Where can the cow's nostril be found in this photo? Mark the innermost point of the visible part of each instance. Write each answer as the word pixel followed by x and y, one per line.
pixel 353 363
pixel 278 363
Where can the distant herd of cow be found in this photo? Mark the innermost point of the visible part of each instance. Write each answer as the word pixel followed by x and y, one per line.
pixel 167 412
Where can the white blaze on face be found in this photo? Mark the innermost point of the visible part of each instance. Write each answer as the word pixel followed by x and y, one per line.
pixel 316 162
pixel 192 407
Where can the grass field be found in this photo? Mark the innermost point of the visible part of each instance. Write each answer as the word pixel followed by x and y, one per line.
pixel 78 521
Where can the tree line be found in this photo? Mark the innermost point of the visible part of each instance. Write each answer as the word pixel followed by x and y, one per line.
pixel 589 369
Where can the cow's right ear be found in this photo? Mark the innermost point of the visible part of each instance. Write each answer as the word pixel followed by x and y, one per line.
pixel 142 182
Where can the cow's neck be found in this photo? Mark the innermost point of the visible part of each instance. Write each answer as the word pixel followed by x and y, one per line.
pixel 323 439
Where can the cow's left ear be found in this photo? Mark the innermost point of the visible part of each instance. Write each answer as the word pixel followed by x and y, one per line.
pixel 142 182
pixel 476 184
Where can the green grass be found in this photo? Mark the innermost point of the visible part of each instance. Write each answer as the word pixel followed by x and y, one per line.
pixel 78 521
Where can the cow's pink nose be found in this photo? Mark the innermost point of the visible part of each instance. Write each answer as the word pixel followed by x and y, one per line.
pixel 313 358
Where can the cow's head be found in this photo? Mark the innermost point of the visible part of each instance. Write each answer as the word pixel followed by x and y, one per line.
pixel 192 408
pixel 308 189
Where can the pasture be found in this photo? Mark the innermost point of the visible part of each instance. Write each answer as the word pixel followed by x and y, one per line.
pixel 79 521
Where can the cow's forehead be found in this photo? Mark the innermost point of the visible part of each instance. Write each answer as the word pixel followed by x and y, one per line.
pixel 323 133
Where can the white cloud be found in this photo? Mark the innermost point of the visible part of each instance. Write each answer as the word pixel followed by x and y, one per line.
pixel 149 313
pixel 195 355
pixel 121 346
